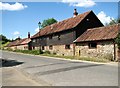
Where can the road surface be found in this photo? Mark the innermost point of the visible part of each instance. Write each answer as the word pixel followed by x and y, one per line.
pixel 49 71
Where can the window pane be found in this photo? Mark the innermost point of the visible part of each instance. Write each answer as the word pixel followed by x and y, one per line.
pixel 92 45
pixel 67 46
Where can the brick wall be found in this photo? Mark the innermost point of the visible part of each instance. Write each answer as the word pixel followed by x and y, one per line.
pixel 60 50
pixel 22 47
pixel 102 49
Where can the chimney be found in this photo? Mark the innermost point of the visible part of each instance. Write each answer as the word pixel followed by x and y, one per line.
pixel 75 13
pixel 28 34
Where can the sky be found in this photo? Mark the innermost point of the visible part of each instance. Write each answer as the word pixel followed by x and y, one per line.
pixel 19 18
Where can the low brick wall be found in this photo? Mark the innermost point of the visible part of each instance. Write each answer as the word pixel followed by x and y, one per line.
pixel 22 47
pixel 13 47
pixel 60 50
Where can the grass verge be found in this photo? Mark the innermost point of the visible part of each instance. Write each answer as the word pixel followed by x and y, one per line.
pixel 37 52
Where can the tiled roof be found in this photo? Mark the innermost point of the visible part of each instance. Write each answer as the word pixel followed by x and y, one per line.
pixel 26 41
pixel 13 43
pixel 100 33
pixel 62 26
pixel 19 42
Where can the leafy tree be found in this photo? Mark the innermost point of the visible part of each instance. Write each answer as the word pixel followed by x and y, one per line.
pixel 17 39
pixel 3 39
pixel 115 21
pixel 48 22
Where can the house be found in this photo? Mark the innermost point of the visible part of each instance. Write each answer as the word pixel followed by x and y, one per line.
pixel 98 42
pixel 21 44
pixel 58 38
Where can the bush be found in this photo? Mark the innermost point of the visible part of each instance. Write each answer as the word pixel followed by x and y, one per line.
pixel 35 52
pixel 40 51
pixel 9 49
pixel 47 52
pixel 54 53
pixel 108 57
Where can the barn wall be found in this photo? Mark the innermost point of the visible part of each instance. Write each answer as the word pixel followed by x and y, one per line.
pixel 103 50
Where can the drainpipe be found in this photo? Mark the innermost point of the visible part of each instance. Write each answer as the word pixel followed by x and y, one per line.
pixel 114 51
pixel 73 49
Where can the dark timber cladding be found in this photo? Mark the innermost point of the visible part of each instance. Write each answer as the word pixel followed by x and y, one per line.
pixel 66 31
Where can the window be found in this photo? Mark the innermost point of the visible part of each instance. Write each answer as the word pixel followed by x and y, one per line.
pixel 67 46
pixel 50 37
pixel 92 45
pixel 25 47
pixel 43 48
pixel 33 47
pixel 50 47
pixel 58 37
pixel 38 40
pixel 34 40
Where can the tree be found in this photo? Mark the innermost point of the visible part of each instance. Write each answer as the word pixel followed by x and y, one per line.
pixel 115 21
pixel 47 22
pixel 4 39
pixel 17 39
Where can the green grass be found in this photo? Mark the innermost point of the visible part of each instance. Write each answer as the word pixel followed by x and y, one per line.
pixel 34 52
pixel 78 58
pixel 3 45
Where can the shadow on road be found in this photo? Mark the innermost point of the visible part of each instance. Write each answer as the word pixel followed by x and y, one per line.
pixel 51 64
pixel 9 63
pixel 67 69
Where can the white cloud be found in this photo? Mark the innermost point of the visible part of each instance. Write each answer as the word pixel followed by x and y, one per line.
pixel 37 29
pixel 16 33
pixel 104 18
pixel 12 7
pixel 80 3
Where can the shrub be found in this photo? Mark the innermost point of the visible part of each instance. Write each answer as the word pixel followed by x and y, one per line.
pixel 108 57
pixel 9 49
pixel 40 51
pixel 17 50
pixel 47 52
pixel 54 53
pixel 36 52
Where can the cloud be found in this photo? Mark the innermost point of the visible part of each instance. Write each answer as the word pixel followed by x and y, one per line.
pixel 104 18
pixel 80 3
pixel 16 33
pixel 12 7
pixel 37 29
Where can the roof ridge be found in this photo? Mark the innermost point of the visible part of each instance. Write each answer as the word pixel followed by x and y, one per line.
pixel 103 33
pixel 104 26
pixel 58 25
pixel 69 18
pixel 77 15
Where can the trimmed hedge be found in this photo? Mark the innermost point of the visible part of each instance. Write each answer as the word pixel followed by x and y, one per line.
pixel 35 52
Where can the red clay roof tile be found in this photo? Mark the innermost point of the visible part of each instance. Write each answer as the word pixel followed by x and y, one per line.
pixel 61 26
pixel 19 42
pixel 100 33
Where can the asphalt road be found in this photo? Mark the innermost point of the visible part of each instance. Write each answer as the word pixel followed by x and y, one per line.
pixel 12 77
pixel 58 72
